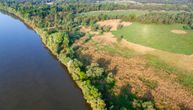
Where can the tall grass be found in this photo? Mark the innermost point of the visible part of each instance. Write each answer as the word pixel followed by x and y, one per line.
pixel 183 77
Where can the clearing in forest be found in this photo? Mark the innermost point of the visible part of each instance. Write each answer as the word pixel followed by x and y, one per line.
pixel 171 38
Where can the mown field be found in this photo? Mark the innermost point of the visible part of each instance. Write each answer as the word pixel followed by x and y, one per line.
pixel 159 36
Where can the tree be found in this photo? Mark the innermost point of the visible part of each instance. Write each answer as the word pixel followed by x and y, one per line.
pixel 94 71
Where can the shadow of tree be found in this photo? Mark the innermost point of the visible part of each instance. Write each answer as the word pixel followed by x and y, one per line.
pixel 127 100
pixel 147 96
pixel 75 36
pixel 103 62
pixel 115 70
pixel 123 99
pixel 85 59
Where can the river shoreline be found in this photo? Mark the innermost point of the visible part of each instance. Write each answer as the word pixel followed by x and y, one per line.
pixel 39 32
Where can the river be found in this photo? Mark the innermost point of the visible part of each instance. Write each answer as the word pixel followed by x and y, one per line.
pixel 30 77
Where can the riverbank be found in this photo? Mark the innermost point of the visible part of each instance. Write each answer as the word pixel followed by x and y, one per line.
pixel 93 98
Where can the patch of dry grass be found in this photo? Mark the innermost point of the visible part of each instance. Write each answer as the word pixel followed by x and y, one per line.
pixel 129 64
pixel 166 92
pixel 179 31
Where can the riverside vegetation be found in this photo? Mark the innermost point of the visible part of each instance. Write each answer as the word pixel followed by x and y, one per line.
pixel 59 27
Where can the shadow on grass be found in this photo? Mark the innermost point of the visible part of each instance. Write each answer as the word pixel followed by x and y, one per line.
pixel 103 62
pixel 126 100
pixel 85 59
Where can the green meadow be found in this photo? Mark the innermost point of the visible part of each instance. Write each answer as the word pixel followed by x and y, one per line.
pixel 159 36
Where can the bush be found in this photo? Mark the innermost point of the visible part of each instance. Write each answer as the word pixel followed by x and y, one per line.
pixel 152 84
pixel 100 31
pixel 106 28
pixel 94 27
pixel 119 26
pixel 187 27
pixel 89 35
pixel 143 105
pixel 119 38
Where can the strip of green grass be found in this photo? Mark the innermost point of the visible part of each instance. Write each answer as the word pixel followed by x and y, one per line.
pixel 159 36
pixel 116 50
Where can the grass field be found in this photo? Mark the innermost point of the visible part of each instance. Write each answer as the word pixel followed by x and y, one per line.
pixel 159 36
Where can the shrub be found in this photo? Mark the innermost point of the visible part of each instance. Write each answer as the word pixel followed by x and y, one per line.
pixel 143 105
pixel 119 26
pixel 152 84
pixel 119 38
pixel 89 35
pixel 100 31
pixel 187 27
pixel 110 79
pixel 94 27
pixel 106 28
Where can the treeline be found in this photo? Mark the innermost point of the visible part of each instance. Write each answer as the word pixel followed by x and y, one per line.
pixel 165 1
pixel 109 1
pixel 152 17
pixel 85 7
pixel 32 1
pixel 167 18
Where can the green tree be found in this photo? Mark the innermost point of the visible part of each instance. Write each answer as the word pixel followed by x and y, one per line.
pixel 94 71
